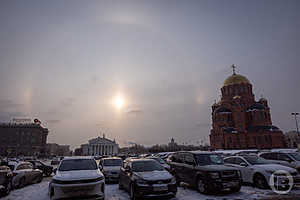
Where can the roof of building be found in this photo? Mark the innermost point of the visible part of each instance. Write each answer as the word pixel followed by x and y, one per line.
pixel 235 79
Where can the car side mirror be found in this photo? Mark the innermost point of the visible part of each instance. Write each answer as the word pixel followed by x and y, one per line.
pixel 243 164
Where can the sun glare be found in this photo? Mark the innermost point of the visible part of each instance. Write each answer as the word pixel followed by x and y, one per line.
pixel 119 102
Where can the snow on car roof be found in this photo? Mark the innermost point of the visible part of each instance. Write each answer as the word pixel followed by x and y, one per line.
pixel 78 157
pixel 112 158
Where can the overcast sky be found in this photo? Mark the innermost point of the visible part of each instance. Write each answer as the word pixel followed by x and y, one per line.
pixel 64 62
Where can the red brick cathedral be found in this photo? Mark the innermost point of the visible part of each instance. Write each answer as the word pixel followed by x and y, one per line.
pixel 240 122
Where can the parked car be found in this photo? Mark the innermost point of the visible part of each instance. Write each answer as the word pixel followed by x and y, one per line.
pixel 144 178
pixel 55 161
pixel 77 177
pixel 24 174
pixel 46 169
pixel 291 159
pixel 161 161
pixel 110 167
pixel 205 171
pixel 258 171
pixel 5 180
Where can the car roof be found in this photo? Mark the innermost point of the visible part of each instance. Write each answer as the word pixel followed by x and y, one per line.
pixel 112 158
pixel 139 159
pixel 197 152
pixel 79 157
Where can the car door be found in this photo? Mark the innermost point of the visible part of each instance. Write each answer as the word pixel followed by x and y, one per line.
pixel 189 164
pixel 245 168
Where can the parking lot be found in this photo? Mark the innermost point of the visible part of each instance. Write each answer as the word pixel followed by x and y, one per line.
pixel 39 192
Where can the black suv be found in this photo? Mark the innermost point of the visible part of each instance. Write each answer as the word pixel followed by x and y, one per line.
pixel 145 178
pixel 47 170
pixel 205 171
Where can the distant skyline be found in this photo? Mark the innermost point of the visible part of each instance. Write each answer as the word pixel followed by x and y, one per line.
pixel 143 71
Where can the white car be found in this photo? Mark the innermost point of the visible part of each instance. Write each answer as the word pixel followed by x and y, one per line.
pixel 258 171
pixel 77 177
pixel 24 174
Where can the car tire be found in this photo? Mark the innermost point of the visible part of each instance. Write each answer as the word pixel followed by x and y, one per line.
pixel 120 186
pixel 8 188
pixel 47 174
pixel 131 192
pixel 40 178
pixel 202 187
pixel 236 189
pixel 22 182
pixel 260 182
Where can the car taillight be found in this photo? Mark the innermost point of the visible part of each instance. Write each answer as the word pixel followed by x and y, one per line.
pixel 15 174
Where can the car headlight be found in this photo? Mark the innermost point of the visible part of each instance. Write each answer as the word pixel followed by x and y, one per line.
pixel 214 175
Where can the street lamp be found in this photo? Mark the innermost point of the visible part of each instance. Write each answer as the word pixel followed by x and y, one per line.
pixel 295 114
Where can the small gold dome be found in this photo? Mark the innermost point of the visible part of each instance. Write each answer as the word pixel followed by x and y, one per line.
pixel 235 79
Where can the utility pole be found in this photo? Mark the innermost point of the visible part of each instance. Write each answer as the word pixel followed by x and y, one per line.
pixel 295 114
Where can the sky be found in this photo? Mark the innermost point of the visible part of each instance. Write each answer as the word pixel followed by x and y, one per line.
pixel 64 62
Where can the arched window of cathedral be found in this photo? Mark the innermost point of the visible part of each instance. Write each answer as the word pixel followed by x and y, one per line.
pixel 266 117
pixel 230 91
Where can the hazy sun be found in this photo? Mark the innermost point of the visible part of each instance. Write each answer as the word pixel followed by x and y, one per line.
pixel 119 102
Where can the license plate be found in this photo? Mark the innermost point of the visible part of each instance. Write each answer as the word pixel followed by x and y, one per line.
pixel 160 188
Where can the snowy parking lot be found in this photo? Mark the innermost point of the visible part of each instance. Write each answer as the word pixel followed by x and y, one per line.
pixel 39 192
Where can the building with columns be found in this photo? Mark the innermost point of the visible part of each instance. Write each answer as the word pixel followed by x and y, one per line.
pixel 100 146
pixel 241 122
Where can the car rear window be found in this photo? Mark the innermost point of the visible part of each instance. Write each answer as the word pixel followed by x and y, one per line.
pixel 112 162
pixel 146 166
pixel 78 164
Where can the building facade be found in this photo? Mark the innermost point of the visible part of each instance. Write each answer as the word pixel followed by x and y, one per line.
pixel 22 139
pixel 100 146
pixel 240 122
pixel 53 149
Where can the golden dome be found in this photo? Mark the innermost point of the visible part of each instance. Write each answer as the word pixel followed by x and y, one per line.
pixel 235 79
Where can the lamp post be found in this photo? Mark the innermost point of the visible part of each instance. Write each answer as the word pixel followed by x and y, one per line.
pixel 295 114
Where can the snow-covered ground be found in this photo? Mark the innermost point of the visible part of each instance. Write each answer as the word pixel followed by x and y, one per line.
pixel 39 192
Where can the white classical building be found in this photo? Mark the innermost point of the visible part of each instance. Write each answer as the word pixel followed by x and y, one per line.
pixel 100 146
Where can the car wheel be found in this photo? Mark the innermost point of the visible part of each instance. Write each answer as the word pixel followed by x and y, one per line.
pixel 120 186
pixel 47 174
pixel 236 189
pixel 22 182
pixel 201 186
pixel 8 188
pixel 260 182
pixel 132 195
pixel 40 178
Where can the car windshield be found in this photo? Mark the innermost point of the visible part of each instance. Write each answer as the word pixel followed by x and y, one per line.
pixel 161 161
pixel 112 162
pixel 78 164
pixel 255 160
pixel 296 156
pixel 208 159
pixel 146 166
